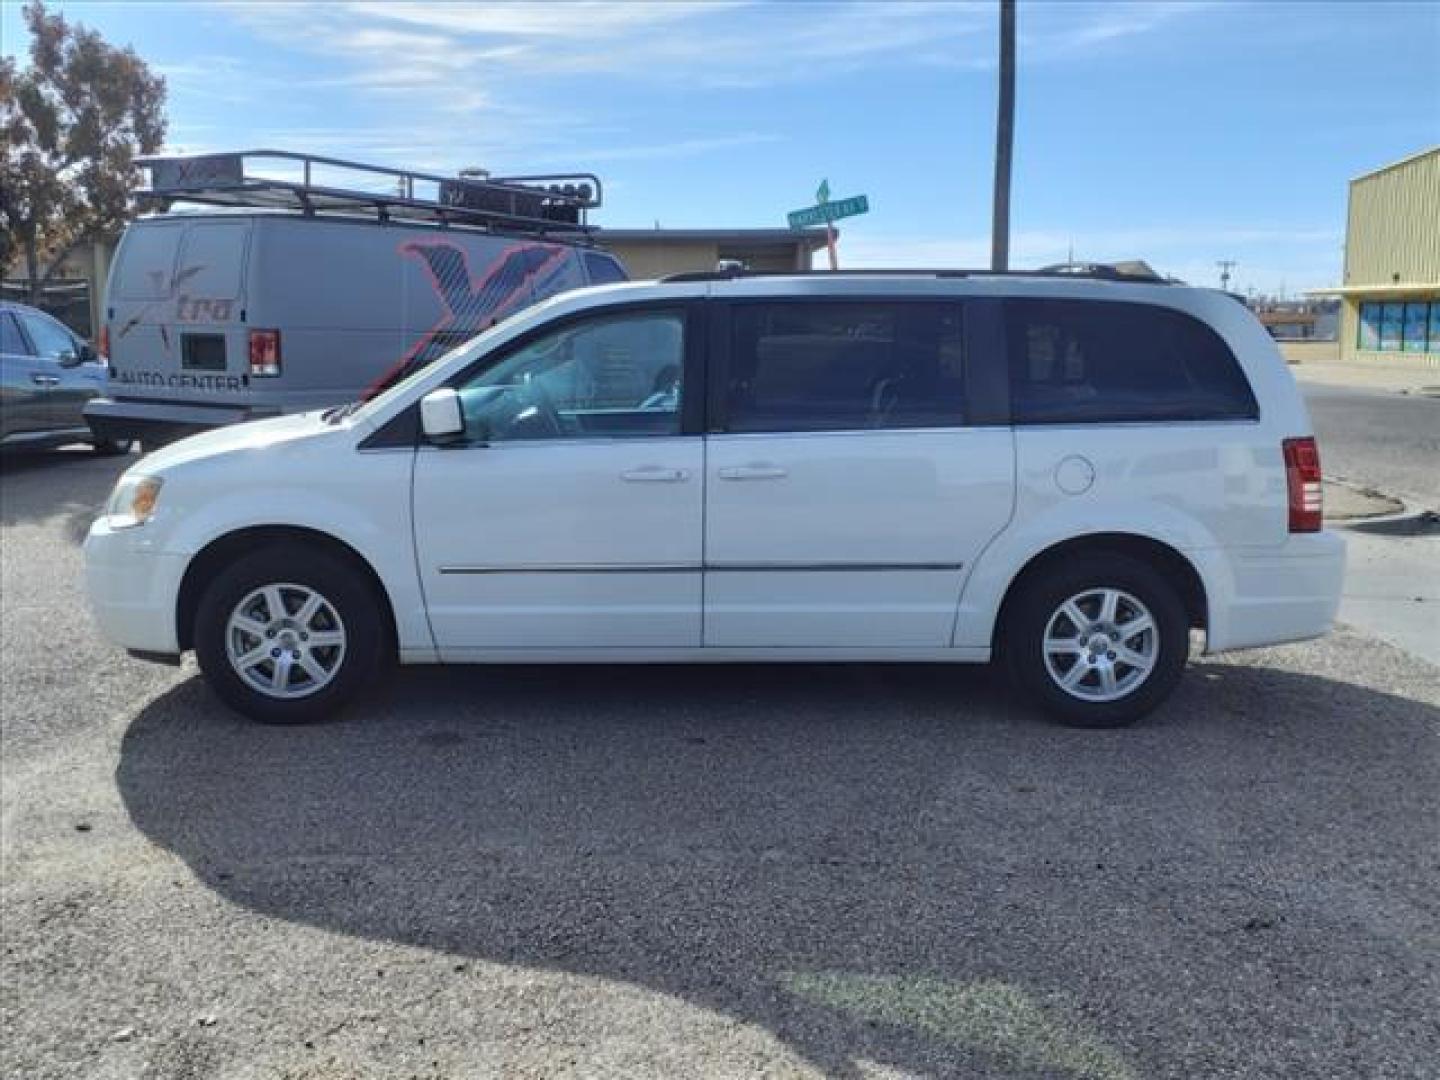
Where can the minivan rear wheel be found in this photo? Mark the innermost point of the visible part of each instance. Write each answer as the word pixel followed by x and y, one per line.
pixel 289 634
pixel 1097 641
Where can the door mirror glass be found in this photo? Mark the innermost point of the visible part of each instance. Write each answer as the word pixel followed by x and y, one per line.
pixel 68 358
pixel 87 353
pixel 440 417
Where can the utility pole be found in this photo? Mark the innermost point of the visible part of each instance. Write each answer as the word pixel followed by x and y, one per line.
pixel 1225 265
pixel 1004 140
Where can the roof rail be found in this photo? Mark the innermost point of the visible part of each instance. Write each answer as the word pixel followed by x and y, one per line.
pixel 1095 273
pixel 308 183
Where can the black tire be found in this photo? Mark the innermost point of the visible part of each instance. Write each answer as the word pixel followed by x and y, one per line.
pixel 112 447
pixel 1028 617
pixel 368 650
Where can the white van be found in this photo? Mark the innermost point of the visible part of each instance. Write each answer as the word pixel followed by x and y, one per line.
pixel 266 307
pixel 1067 473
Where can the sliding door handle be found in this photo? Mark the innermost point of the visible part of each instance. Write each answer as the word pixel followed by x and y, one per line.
pixel 654 474
pixel 757 471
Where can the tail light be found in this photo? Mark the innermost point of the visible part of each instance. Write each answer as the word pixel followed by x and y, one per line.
pixel 1302 481
pixel 264 353
pixel 105 339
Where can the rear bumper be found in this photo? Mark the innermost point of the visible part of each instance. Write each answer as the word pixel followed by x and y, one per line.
pixel 1271 598
pixel 133 589
pixel 160 421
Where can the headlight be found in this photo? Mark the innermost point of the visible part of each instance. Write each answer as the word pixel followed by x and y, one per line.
pixel 133 501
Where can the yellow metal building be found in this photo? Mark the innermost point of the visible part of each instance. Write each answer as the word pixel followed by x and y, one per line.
pixel 1390 308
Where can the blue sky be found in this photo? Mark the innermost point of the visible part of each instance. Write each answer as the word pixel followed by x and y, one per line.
pixel 1178 132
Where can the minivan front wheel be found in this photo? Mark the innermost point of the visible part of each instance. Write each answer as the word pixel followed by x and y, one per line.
pixel 289 634
pixel 1098 641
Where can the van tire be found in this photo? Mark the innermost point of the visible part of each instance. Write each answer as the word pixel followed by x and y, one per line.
pixel 346 605
pixel 1036 626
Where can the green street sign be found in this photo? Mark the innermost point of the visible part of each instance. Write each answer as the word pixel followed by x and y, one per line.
pixel 828 211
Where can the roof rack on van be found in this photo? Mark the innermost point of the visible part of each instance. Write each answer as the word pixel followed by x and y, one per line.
pixel 1095 273
pixel 308 183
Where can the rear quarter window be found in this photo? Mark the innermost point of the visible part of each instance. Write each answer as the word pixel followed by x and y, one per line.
pixel 1074 361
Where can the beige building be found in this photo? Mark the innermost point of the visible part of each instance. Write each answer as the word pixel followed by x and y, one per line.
pixel 655 253
pixel 1390 297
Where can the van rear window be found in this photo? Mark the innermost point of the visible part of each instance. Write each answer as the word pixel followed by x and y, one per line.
pixel 1076 361
pixel 147 261
pixel 211 259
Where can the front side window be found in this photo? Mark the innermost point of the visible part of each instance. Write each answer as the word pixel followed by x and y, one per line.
pixel 845 366
pixel 610 376
pixel 1074 361
pixel 603 269
pixel 50 338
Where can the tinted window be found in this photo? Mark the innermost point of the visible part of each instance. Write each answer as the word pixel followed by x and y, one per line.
pixel 210 261
pixel 147 261
pixel 617 375
pixel 11 343
pixel 1084 361
pixel 50 338
pixel 845 366
pixel 603 269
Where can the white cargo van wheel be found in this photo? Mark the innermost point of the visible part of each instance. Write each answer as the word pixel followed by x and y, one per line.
pixel 289 634
pixel 1097 641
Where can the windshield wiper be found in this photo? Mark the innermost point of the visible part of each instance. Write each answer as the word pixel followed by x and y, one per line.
pixel 340 412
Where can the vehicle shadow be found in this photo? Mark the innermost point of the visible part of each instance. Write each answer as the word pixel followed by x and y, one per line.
pixel 72 482
pixel 881 863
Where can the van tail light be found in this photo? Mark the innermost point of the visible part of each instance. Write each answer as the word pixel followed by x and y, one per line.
pixel 264 353
pixel 1302 481
pixel 105 339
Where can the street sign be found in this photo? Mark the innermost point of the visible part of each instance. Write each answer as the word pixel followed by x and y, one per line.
pixel 827 212
pixel 822 193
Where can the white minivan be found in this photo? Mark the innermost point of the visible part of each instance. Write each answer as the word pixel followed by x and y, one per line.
pixel 1069 474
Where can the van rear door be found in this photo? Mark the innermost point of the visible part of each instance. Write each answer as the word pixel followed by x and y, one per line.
pixel 177 312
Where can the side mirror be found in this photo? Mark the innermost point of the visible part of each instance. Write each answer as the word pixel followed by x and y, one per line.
pixel 440 417
pixel 68 359
pixel 87 353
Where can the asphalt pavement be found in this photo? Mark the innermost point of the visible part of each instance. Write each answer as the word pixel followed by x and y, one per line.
pixel 1389 442
pixel 1380 438
pixel 862 871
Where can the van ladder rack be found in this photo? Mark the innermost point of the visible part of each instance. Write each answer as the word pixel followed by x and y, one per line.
pixel 288 180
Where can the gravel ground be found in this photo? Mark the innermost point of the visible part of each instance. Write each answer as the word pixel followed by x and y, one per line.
pixel 792 871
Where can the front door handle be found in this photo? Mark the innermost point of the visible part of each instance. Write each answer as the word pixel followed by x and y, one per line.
pixel 756 471
pixel 45 380
pixel 654 474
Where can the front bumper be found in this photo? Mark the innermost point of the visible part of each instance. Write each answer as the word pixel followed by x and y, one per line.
pixel 133 588
pixel 160 422
pixel 1270 598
